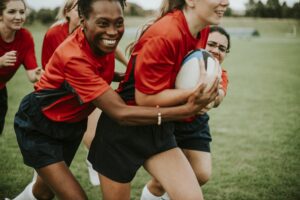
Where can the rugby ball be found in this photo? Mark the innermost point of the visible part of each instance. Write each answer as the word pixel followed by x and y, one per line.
pixel 190 72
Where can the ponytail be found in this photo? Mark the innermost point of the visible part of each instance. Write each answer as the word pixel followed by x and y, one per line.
pixel 165 7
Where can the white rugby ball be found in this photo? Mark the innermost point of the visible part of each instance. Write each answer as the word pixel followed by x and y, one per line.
pixel 189 74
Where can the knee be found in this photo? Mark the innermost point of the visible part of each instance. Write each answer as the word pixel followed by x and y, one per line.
pixel 155 187
pixel 44 196
pixel 203 176
pixel 42 193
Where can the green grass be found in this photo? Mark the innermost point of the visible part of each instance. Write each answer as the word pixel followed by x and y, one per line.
pixel 256 131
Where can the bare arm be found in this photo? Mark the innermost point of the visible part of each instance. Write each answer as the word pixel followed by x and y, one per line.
pixel 112 104
pixel 120 56
pixel 34 74
pixel 169 97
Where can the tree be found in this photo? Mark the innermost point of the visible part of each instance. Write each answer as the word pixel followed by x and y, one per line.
pixel 296 10
pixel 273 8
pixel 46 16
pixel 260 10
pixel 286 12
pixel 250 8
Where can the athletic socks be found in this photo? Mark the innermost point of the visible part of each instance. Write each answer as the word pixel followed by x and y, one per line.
pixel 147 195
pixel 93 175
pixel 27 193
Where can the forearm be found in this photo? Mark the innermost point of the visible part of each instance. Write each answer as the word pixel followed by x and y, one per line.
pixel 169 97
pixel 115 107
pixel 121 57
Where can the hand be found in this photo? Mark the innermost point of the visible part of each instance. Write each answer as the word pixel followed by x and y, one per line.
pixel 38 73
pixel 8 59
pixel 203 96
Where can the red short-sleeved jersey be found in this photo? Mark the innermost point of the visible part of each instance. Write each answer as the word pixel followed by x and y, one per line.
pixel 24 45
pixel 73 78
pixel 158 55
pixel 55 35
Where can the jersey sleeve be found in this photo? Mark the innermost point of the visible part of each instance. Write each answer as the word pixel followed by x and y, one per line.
pixel 30 58
pixel 84 78
pixel 154 66
pixel 224 77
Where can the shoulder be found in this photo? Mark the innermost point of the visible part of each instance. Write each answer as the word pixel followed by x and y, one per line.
pixel 24 33
pixel 25 36
pixel 59 29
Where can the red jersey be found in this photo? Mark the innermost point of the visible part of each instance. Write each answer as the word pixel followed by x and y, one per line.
pixel 157 57
pixel 24 45
pixel 74 77
pixel 55 35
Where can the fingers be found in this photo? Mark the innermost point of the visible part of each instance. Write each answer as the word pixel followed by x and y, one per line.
pixel 9 58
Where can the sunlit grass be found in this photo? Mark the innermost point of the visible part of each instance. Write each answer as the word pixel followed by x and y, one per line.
pixel 256 131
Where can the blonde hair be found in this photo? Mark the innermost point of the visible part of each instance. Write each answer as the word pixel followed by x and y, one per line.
pixel 65 8
pixel 165 7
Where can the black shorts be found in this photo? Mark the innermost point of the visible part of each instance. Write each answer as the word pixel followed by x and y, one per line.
pixel 117 151
pixel 3 108
pixel 43 142
pixel 194 135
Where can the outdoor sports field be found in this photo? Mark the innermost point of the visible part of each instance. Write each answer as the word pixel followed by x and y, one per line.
pixel 256 131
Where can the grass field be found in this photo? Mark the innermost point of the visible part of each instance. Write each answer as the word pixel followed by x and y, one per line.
pixel 256 131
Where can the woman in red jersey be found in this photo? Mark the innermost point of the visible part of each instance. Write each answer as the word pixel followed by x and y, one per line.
pixel 68 21
pixel 51 121
pixel 16 48
pixel 198 153
pixel 117 151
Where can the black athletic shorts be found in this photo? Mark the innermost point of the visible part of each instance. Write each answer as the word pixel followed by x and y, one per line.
pixel 118 151
pixel 194 135
pixel 43 142
pixel 3 107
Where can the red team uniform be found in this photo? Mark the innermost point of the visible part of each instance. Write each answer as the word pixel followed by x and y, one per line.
pixel 24 46
pixel 55 35
pixel 59 107
pixel 118 151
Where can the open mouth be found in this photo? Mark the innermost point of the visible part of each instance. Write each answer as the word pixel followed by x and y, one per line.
pixel 220 13
pixel 108 42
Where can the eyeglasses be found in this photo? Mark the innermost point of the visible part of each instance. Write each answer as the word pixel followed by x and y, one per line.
pixel 220 47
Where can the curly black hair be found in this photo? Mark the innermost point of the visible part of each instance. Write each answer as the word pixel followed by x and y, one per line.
pixel 85 8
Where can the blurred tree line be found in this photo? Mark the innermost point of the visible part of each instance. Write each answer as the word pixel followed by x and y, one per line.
pixel 48 16
pixel 272 9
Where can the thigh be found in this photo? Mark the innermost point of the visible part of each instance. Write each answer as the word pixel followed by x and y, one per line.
pixel 173 171
pixel 112 190
pixel 91 127
pixel 57 175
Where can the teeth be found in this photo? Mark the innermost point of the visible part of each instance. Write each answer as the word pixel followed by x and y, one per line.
pixel 109 42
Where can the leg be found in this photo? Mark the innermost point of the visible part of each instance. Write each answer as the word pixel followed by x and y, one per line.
pixel 201 164
pixel 173 171
pixel 3 108
pixel 55 176
pixel 91 128
pixel 113 190
pixel 49 183
pixel 87 140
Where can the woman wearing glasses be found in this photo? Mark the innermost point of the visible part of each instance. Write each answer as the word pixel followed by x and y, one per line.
pixel 194 137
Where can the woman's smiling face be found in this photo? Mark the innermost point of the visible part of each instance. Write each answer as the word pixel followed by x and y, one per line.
pixel 104 27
